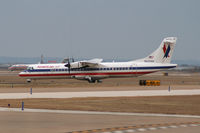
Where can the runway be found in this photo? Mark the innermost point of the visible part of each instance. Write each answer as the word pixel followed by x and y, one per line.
pixel 97 113
pixel 57 121
pixel 99 94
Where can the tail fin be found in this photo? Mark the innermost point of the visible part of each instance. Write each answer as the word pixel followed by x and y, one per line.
pixel 164 52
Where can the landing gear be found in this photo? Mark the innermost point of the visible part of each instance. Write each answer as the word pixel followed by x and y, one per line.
pixel 94 81
pixel 91 81
pixel 99 81
pixel 28 80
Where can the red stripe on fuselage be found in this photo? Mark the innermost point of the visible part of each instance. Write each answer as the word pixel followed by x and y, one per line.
pixel 75 74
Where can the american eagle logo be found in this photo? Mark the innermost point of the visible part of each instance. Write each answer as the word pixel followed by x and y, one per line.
pixel 166 50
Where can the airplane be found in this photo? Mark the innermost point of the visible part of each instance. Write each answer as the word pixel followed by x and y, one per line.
pixel 95 70
pixel 17 67
pixel 20 67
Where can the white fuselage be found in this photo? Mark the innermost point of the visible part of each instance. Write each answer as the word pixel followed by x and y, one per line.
pixel 104 70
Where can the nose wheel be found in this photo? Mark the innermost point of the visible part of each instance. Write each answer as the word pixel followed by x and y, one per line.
pixel 28 80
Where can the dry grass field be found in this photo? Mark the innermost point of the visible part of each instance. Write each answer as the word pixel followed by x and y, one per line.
pixel 11 79
pixel 167 104
pixel 11 82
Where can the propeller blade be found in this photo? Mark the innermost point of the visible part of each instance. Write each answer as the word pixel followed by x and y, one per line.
pixel 68 66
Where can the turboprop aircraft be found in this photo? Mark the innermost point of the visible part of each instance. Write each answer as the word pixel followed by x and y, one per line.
pixel 18 67
pixel 95 70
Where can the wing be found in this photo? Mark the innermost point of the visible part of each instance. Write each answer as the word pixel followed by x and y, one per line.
pixel 91 63
pixel 86 63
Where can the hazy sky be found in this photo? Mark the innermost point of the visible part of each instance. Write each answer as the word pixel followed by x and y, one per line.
pixel 125 29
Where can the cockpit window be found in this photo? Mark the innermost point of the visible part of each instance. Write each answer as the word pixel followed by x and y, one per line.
pixel 30 68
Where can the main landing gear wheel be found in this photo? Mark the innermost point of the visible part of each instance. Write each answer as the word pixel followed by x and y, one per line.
pixel 94 81
pixel 91 81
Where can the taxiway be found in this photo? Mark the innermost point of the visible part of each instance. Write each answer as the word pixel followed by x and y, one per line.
pixel 99 94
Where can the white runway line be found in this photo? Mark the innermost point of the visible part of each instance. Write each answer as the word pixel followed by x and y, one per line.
pixel 141 129
pixel 183 125
pixel 193 125
pixel 99 94
pixel 173 127
pixel 118 132
pixel 162 127
pixel 95 113
pixel 152 128
pixel 129 131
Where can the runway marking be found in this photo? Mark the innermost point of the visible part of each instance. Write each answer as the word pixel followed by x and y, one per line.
pixel 152 128
pixel 193 125
pixel 172 126
pixel 118 132
pixel 163 127
pixel 141 128
pixel 183 125
pixel 130 131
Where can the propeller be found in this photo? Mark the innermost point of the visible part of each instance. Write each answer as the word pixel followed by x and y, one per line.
pixel 68 65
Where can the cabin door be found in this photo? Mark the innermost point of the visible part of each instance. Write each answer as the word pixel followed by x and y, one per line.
pixel 134 69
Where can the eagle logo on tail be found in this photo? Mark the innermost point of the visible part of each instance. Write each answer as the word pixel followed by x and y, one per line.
pixel 166 50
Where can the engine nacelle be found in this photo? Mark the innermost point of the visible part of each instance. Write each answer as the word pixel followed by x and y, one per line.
pixel 90 79
pixel 96 77
pixel 79 77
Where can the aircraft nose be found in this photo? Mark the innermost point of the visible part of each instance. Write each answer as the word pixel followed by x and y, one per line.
pixel 21 74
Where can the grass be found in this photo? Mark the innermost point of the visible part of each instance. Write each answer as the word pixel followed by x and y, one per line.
pixel 167 104
pixel 176 78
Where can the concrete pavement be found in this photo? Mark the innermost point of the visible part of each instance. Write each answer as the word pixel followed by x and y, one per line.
pixel 100 94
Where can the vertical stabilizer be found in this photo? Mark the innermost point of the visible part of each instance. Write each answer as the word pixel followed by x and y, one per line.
pixel 164 52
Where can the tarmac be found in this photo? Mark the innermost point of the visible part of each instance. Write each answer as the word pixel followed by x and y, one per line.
pixel 58 121
pixel 100 94
pixel 96 113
